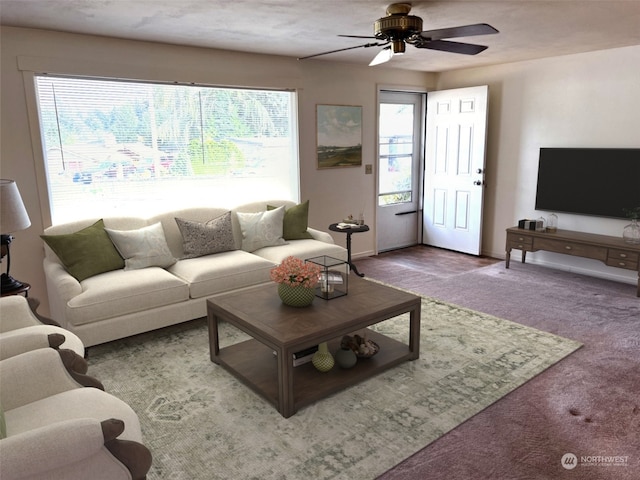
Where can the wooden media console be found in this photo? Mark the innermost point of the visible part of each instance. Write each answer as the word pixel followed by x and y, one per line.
pixel 613 251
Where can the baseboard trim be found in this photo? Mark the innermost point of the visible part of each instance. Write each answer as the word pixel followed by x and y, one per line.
pixel 367 253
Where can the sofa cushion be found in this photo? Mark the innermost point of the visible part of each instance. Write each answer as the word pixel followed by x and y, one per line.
pixel 200 239
pixel 302 249
pixel 121 292
pixel 262 229
pixel 142 248
pixel 222 272
pixel 87 252
pixel 296 221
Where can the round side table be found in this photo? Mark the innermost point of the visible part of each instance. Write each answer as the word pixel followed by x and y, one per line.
pixel 23 290
pixel 350 231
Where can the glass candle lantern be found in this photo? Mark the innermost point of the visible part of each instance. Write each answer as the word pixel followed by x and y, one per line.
pixel 334 277
pixel 552 224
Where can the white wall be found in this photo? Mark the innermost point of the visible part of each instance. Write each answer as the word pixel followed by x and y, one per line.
pixel 333 193
pixel 584 100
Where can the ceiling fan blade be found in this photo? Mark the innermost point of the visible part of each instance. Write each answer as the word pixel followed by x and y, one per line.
pixel 355 36
pixel 462 31
pixel 453 47
pixel 366 45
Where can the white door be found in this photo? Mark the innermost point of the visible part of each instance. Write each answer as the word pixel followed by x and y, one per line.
pixel 400 162
pixel 454 168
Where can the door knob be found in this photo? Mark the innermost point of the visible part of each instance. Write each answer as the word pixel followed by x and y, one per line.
pixel 479 170
pixel 478 182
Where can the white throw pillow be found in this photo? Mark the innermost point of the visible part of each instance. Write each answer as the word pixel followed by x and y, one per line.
pixel 145 247
pixel 263 229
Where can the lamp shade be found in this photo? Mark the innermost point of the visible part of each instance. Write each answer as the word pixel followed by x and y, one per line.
pixel 13 215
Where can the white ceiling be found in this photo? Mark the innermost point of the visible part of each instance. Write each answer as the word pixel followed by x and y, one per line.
pixel 528 28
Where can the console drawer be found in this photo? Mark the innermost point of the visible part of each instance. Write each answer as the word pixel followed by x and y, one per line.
pixel 622 259
pixel 571 248
pixel 612 262
pixel 624 255
pixel 519 242
pixel 520 246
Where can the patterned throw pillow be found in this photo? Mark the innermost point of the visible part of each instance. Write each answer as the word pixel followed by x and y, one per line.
pixel 87 252
pixel 263 229
pixel 200 239
pixel 145 247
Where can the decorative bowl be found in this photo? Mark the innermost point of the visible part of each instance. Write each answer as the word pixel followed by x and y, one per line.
pixel 362 347
pixel 373 349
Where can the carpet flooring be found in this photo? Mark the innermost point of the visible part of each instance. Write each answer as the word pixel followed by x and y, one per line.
pixel 201 423
pixel 587 405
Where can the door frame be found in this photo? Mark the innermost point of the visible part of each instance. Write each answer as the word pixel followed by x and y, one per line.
pixel 380 88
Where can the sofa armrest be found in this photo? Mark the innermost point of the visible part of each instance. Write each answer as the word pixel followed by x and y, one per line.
pixel 77 368
pixel 34 303
pixel 32 376
pixel 61 287
pixel 24 340
pixel 71 446
pixel 320 235
pixel 135 456
pixel 16 313
pixel 50 447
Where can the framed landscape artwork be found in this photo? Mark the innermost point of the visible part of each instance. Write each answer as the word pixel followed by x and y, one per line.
pixel 339 136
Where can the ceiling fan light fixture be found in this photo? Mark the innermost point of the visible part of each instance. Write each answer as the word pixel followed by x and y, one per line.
pixel 398 24
pixel 398 47
pixel 383 56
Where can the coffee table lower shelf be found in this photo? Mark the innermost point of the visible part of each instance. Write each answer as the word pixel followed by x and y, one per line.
pixel 256 365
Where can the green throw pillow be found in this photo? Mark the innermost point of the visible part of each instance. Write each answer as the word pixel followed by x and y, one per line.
pixel 296 221
pixel 86 253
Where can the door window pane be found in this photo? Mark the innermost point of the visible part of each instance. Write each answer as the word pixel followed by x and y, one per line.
pixel 395 153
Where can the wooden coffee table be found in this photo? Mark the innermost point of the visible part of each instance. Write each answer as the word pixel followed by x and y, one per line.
pixel 274 327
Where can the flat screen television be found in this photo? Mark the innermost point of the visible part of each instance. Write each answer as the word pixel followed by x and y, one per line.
pixel 589 181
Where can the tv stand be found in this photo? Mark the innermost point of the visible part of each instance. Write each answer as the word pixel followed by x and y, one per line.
pixel 613 251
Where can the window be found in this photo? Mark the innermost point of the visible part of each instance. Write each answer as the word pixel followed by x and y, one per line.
pixel 396 154
pixel 115 147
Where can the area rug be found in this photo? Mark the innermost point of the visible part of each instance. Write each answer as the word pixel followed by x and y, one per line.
pixel 201 423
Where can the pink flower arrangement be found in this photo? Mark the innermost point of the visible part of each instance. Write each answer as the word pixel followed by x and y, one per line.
pixel 295 272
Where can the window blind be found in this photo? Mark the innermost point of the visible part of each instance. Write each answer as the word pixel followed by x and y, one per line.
pixel 115 147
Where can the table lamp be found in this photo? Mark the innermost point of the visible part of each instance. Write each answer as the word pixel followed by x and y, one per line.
pixel 13 217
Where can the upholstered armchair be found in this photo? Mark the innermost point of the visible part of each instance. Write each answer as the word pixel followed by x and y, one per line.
pixel 55 428
pixel 22 329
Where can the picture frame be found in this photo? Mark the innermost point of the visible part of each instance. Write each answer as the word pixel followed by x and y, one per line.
pixel 338 136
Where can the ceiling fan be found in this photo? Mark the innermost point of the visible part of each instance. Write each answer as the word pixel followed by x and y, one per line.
pixel 399 28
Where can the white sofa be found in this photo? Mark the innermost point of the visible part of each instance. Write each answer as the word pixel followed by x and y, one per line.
pixel 121 303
